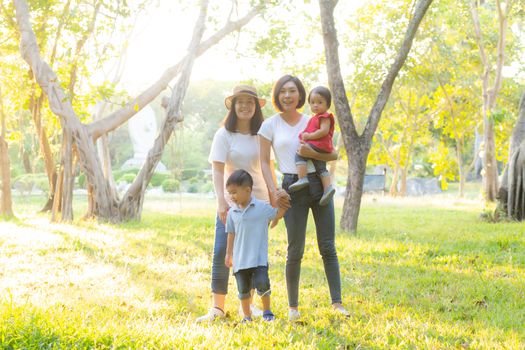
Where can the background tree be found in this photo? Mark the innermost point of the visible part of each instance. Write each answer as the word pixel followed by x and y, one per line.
pixel 106 206
pixel 401 133
pixel 490 89
pixel 358 145
pixel 65 32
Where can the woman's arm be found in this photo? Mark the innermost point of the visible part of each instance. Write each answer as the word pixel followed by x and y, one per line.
pixel 218 184
pixel 308 152
pixel 274 179
pixel 266 167
pixel 276 195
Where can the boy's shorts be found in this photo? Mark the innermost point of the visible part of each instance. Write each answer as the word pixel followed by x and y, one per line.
pixel 256 277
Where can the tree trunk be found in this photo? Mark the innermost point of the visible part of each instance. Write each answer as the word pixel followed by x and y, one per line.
pixel 49 164
pixel 489 95
pixel 403 186
pixel 358 146
pixel 26 162
pixel 478 163
pixel 68 180
pixel 6 204
pixel 104 154
pixel 395 180
pixel 461 170
pixel 511 190
pixel 354 190
pixel 490 176
pixel 6 208
pixel 516 184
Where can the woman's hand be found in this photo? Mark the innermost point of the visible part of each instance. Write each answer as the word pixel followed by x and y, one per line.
pixel 305 150
pixel 222 210
pixel 282 198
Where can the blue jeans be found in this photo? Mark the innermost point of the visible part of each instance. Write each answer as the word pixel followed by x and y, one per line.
pixel 256 277
pixel 219 272
pixel 295 220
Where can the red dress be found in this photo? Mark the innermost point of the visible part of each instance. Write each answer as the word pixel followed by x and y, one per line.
pixel 324 143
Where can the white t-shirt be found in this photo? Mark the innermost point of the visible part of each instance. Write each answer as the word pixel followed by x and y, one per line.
pixel 285 141
pixel 239 151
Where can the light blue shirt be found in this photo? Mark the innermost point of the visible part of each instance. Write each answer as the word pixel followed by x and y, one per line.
pixel 250 226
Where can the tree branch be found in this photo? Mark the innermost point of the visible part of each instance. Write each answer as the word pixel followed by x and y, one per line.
pixel 114 120
pixel 477 31
pixel 61 23
pixel 44 75
pixel 502 19
pixel 386 88
pixel 80 45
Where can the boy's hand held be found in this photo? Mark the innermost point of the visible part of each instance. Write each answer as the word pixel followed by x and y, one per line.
pixel 274 223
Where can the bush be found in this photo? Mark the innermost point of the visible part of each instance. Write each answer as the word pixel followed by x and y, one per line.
pixel 194 180
pixel 82 180
pixel 193 188
pixel 26 182
pixel 16 171
pixel 187 174
pixel 207 187
pixel 170 185
pixel 127 178
pixel 158 179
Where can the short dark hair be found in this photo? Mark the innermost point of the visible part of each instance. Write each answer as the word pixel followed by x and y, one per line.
pixel 324 92
pixel 279 85
pixel 240 178
pixel 230 121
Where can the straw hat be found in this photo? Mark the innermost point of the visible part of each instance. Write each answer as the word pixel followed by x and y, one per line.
pixel 246 90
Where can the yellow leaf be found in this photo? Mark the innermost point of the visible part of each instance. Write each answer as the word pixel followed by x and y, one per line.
pixel 136 107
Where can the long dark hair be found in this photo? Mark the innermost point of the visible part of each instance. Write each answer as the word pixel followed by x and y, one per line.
pixel 230 121
pixel 279 85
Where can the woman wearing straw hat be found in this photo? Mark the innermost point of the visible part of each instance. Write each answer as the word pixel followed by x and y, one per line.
pixel 235 146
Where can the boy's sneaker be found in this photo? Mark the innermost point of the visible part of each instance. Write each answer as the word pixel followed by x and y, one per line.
pixel 293 315
pixel 268 316
pixel 256 312
pixel 299 184
pixel 212 314
pixel 246 319
pixel 327 195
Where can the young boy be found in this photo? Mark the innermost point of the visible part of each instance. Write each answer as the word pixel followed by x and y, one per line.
pixel 247 247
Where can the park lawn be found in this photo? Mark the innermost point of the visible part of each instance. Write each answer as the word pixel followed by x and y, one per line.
pixel 419 274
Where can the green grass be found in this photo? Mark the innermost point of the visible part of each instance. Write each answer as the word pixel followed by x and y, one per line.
pixel 415 276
